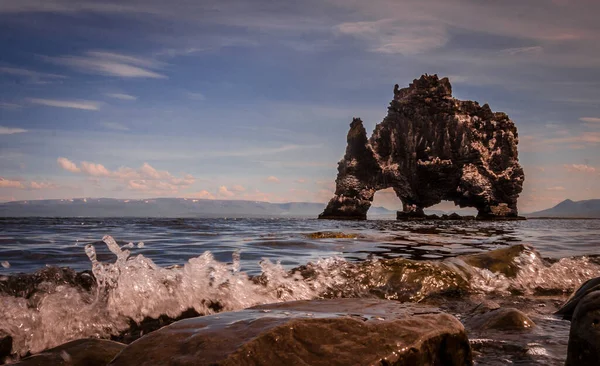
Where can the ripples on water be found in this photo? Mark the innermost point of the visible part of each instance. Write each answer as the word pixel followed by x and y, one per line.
pixel 31 243
pixel 167 266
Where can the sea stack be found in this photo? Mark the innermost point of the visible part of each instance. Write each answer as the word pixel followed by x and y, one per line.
pixel 431 147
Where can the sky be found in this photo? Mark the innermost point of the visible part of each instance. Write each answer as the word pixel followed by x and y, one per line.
pixel 253 99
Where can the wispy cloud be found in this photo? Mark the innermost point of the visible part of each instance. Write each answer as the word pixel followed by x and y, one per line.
pixel 393 36
pixel 74 104
pixel 590 119
pixel 273 179
pixel 121 96
pixel 583 168
pixel 556 188
pixel 115 126
pixel 6 105
pixel 522 50
pixel 32 76
pixel 196 96
pixel 11 130
pixel 111 64
pixel 146 178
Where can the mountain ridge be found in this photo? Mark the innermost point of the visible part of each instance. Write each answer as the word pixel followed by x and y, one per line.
pixel 163 207
pixel 571 209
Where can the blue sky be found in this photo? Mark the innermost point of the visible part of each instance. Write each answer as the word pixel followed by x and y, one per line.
pixel 252 99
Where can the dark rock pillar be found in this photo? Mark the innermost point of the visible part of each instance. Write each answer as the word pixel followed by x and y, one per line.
pixel 358 175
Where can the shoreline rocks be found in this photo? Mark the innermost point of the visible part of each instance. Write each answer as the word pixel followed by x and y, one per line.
pixel 429 148
pixel 317 332
pixel 81 352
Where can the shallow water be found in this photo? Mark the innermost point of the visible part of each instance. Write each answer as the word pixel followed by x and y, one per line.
pixel 159 267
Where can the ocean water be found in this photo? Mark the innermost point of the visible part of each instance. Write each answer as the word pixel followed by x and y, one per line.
pixel 120 272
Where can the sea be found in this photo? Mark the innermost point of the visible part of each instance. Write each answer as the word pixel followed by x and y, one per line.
pixel 68 278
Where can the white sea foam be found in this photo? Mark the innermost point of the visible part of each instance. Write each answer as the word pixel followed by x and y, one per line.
pixel 134 287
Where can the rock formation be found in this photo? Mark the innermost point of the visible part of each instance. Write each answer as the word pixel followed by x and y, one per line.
pixel 431 147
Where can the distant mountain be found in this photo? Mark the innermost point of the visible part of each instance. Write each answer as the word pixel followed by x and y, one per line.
pixel 571 209
pixel 165 207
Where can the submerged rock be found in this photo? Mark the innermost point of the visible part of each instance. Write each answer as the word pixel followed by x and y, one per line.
pixel 318 332
pixel 82 352
pixel 331 235
pixel 431 147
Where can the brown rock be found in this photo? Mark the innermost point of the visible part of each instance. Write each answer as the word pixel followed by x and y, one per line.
pixel 321 332
pixel 500 319
pixel 431 147
pixel 82 352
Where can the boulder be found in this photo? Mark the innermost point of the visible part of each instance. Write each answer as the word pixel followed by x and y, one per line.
pixel 82 352
pixel 317 332
pixel 499 319
pixel 583 309
pixel 431 147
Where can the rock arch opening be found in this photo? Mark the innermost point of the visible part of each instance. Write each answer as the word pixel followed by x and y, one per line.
pixel 384 201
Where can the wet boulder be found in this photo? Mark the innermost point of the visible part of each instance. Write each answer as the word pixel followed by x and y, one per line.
pixel 583 309
pixel 317 332
pixel 82 352
pixel 499 319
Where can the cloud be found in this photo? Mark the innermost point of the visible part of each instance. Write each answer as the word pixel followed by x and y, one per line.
pixel 203 194
pixel 6 183
pixel 590 119
pixel 273 179
pixel 31 185
pixel 121 96
pixel 259 150
pixel 95 170
pixel 11 130
pixel 68 165
pixel 238 188
pixel 111 64
pixel 583 168
pixel 42 185
pixel 146 178
pixel 33 77
pixel 74 104
pixel 6 105
pixel 522 50
pixel 115 126
pixel 394 36
pixel 300 180
pixel 196 96
pixel 225 193
pixel 556 188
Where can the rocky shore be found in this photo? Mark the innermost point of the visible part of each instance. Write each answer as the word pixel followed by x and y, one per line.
pixel 408 313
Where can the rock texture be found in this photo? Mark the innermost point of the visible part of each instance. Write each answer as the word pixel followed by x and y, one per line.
pixel 82 352
pixel 431 147
pixel 583 309
pixel 318 332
